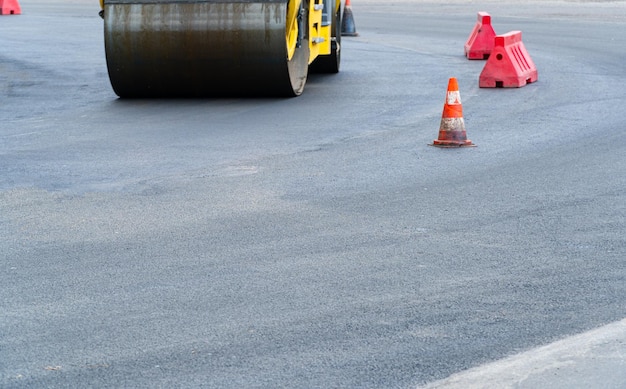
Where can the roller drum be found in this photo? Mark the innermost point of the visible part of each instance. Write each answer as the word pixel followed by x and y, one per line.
pixel 201 48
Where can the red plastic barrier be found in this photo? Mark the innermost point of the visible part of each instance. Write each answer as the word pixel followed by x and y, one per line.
pixel 481 40
pixel 509 65
pixel 10 7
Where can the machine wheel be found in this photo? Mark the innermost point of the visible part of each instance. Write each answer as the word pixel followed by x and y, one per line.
pixel 330 63
pixel 195 48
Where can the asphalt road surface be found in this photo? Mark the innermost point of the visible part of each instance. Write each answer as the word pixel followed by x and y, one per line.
pixel 317 241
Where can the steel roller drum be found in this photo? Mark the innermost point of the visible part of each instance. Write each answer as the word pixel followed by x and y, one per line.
pixel 201 48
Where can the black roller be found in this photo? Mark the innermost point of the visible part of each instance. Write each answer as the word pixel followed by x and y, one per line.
pixel 183 48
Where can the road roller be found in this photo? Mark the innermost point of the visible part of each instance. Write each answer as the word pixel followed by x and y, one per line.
pixel 196 48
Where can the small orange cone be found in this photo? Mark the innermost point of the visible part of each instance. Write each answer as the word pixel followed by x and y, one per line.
pixel 347 21
pixel 452 129
pixel 10 7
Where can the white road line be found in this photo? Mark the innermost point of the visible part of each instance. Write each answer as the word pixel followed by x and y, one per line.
pixel 594 359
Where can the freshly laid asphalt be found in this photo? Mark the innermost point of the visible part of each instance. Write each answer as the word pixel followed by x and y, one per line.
pixel 318 242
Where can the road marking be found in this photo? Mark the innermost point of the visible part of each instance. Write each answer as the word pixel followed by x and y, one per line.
pixel 596 357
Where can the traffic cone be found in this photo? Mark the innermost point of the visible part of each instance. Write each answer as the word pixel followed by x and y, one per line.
pixel 347 22
pixel 10 7
pixel 452 129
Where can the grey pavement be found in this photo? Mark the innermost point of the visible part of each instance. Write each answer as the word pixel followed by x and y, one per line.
pixel 594 359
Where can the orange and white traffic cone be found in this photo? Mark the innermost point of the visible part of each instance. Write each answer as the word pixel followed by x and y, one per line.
pixel 452 129
pixel 348 28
